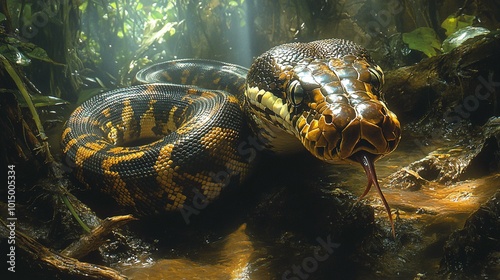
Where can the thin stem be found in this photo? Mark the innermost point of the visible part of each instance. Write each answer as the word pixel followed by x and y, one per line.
pixel 20 85
pixel 73 212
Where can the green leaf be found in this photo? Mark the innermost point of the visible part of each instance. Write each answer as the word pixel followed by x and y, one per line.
pixel 21 52
pixel 35 52
pixel 83 6
pixel 2 17
pixel 156 15
pixel 452 24
pixel 40 100
pixel 47 100
pixel 423 39
pixel 14 55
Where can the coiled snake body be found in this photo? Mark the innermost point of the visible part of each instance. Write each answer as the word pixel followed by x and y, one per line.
pixel 196 138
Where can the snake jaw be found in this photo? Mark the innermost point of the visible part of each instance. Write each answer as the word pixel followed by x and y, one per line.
pixel 367 161
pixel 336 132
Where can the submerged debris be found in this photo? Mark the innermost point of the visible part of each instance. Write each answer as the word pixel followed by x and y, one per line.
pixel 477 246
pixel 476 154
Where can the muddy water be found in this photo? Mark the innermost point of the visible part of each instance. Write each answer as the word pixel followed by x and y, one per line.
pixel 434 211
pixel 446 198
pixel 231 262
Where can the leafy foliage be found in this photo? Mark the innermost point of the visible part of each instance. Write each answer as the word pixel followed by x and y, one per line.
pixel 129 24
pixel 454 23
pixel 21 53
pixel 141 31
pixel 457 28
pixel 423 39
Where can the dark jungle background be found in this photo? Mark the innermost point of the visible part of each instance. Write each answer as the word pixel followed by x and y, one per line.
pixel 56 54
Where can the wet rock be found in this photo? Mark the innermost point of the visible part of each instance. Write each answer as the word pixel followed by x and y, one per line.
pixel 477 245
pixel 460 36
pixel 472 155
pixel 308 212
pixel 310 229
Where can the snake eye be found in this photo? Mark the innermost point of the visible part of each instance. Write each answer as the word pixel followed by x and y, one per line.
pixel 296 92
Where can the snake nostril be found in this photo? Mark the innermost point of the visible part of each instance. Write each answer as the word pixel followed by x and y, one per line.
pixel 363 144
pixel 392 144
pixel 320 151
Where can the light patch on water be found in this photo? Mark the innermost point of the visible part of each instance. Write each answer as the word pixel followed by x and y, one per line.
pixel 233 263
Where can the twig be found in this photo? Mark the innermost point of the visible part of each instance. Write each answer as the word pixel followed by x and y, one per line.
pixel 68 267
pixel 96 238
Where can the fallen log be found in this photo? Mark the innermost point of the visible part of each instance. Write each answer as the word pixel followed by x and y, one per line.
pixel 65 267
pixel 452 86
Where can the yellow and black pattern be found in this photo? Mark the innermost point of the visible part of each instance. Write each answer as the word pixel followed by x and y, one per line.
pixel 203 73
pixel 193 134
pixel 156 145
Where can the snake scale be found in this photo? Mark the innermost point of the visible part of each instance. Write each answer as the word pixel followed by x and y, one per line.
pixel 156 146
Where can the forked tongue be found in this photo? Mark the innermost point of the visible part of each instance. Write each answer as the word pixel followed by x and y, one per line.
pixel 366 160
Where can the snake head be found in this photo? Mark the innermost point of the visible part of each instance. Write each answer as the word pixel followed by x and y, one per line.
pixel 339 112
pixel 327 94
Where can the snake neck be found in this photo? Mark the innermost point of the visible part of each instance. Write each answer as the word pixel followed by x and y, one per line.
pixel 270 120
pixel 277 138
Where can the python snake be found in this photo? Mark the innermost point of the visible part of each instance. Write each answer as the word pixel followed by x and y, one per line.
pixel 187 130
